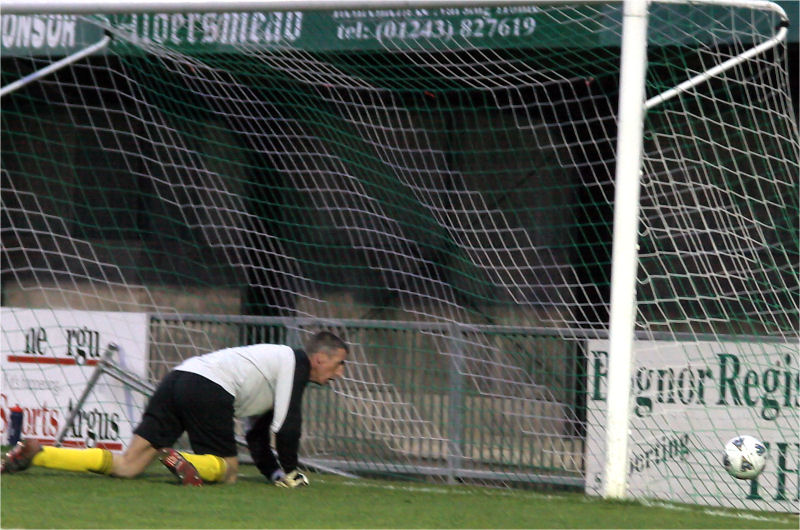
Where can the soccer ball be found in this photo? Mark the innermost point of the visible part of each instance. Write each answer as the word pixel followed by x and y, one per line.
pixel 745 457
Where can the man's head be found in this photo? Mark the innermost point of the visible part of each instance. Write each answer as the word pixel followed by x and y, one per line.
pixel 326 353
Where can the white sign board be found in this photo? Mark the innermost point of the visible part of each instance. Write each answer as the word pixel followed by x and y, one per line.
pixel 687 400
pixel 48 357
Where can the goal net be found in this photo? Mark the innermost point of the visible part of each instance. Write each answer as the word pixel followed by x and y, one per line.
pixel 436 185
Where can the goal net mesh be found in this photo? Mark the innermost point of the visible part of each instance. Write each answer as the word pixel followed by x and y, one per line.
pixel 437 186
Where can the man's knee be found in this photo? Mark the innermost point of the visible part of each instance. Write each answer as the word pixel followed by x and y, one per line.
pixel 231 469
pixel 135 460
pixel 126 469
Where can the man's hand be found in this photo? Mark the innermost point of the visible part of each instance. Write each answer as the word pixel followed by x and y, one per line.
pixel 294 479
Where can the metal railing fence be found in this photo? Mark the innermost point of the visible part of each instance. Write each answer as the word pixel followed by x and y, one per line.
pixel 462 402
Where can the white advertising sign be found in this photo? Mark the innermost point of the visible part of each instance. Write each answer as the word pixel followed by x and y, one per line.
pixel 687 400
pixel 48 357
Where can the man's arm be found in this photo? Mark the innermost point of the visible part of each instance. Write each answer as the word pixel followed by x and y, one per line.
pixel 259 444
pixel 287 437
pixel 287 440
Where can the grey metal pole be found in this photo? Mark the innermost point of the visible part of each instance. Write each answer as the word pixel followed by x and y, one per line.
pixel 110 350
pixel 58 65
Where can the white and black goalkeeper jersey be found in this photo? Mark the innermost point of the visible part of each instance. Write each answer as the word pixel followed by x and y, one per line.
pixel 267 383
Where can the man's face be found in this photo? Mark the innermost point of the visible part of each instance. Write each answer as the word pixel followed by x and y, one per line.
pixel 326 367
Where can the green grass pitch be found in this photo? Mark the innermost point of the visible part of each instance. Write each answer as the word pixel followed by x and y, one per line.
pixel 41 498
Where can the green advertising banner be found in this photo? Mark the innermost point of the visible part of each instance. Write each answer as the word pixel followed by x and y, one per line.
pixel 345 30
pixel 446 28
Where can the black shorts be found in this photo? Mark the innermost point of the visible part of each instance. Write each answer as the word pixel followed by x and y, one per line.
pixel 189 402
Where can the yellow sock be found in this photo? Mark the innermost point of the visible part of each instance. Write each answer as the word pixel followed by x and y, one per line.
pixel 94 460
pixel 211 468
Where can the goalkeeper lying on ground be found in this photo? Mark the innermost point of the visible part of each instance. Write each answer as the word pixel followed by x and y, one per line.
pixel 201 396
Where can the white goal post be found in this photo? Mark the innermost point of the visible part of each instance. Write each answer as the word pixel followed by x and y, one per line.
pixel 634 104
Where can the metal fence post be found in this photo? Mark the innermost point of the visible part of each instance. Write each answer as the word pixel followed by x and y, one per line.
pixel 455 413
